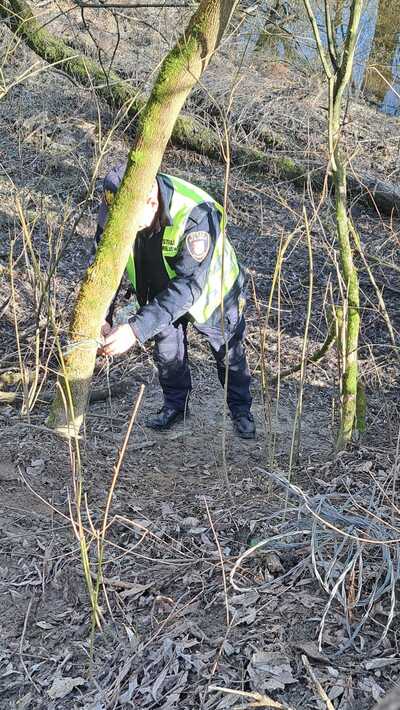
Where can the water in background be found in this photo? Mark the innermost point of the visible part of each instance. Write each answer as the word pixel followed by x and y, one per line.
pixel 282 31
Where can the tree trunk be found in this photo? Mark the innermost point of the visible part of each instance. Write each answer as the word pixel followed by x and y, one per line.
pixel 351 322
pixel 180 71
pixel 349 272
pixel 338 67
pixel 188 132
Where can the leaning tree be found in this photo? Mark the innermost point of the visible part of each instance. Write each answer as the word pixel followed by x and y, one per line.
pixel 181 69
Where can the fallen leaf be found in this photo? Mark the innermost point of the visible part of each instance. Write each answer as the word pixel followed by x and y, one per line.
pixel 336 691
pixel 310 648
pixel 37 462
pixel 364 467
pixel 228 648
pixel 159 682
pixel 247 599
pixel 135 590
pixel 190 522
pixel 44 625
pixel 8 472
pixel 8 670
pixel 62 686
pixel 273 562
pixel 260 701
pixel 380 663
pixel 248 618
pixel 270 670
pixel 369 685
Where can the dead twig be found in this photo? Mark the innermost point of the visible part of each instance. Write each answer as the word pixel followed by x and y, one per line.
pixel 317 684
pixel 21 646
pixel 257 700
pixel 222 564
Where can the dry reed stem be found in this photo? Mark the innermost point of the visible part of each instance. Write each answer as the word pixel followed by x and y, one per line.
pixel 228 622
pixel 21 646
pixel 321 692
pixel 295 445
pixel 257 700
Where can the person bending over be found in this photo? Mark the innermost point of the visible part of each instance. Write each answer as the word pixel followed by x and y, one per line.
pixel 183 269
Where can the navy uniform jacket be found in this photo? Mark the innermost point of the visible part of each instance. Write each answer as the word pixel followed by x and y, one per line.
pixel 162 300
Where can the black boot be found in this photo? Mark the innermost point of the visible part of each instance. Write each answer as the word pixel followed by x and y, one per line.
pixel 243 424
pixel 165 418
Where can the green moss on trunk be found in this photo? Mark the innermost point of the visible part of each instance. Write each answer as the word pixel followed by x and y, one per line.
pixel 349 271
pixel 361 409
pixel 53 50
pixel 352 320
pixel 338 67
pixel 350 277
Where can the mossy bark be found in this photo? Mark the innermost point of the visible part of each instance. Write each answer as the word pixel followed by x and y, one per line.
pixel 351 322
pixel 179 72
pixel 361 409
pixel 53 50
pixel 338 67
pixel 349 271
pixel 188 132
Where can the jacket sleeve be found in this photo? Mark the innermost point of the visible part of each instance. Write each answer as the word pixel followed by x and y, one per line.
pixel 183 290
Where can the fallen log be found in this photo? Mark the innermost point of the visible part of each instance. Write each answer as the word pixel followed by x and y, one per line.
pixel 189 132
pixel 117 92
pixel 53 50
pixel 98 395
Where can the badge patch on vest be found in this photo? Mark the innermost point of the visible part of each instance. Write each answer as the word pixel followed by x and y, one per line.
pixel 198 244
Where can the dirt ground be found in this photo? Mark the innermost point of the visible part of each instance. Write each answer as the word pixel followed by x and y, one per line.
pixel 190 502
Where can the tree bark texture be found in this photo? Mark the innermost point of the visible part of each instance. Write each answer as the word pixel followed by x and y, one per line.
pixel 349 272
pixel 351 322
pixel 188 132
pixel 180 71
pixel 52 49
pixel 338 67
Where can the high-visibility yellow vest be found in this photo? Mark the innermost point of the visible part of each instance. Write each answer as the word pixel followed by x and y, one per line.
pixel 185 197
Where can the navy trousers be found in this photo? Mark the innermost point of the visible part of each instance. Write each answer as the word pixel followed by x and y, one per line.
pixel 171 357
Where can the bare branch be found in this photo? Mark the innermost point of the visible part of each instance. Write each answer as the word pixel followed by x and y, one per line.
pixel 324 59
pixel 132 6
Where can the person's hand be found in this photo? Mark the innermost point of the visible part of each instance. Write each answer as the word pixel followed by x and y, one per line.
pixel 119 340
pixel 105 329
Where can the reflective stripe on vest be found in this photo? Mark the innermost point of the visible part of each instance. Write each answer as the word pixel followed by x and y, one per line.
pixel 185 198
